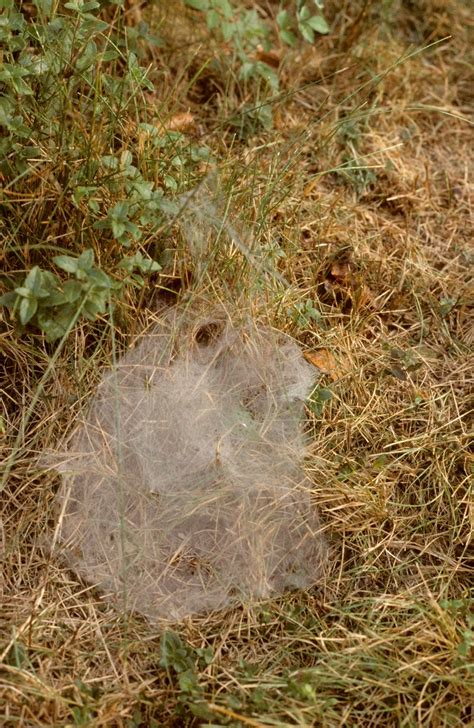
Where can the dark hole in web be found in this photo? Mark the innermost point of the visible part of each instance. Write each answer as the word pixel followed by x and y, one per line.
pixel 209 333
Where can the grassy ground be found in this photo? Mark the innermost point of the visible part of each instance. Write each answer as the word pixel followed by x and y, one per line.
pixel 360 195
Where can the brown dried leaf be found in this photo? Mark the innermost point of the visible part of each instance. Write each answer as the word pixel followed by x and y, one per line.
pixel 341 271
pixel 271 58
pixel 364 297
pixel 181 122
pixel 325 361
pixel 397 372
pixel 310 187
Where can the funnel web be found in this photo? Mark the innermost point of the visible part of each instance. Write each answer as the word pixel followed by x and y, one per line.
pixel 182 489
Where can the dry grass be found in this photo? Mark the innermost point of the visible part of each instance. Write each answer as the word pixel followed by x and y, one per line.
pixel 387 640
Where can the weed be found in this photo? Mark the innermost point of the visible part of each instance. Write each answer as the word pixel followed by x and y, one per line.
pixel 305 314
pixel 71 95
pixel 251 36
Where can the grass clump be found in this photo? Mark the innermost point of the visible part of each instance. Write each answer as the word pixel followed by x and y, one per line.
pixel 357 193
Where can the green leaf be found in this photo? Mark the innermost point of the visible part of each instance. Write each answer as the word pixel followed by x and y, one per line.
pixel 227 30
pixel 206 654
pixel 110 162
pixel 88 58
pixel 120 211
pixel 188 682
pixel 55 298
pixel 213 19
pixel 66 262
pixel 21 87
pixel 197 4
pixel 200 710
pixel 52 328
pixel 44 6
pixel 283 20
pixel 149 129
pixel 49 283
pixel 140 262
pixel 118 228
pixel 306 31
pixel 142 190
pixel 95 304
pixel 86 260
pixel 83 191
pixel 82 7
pixel 304 13
pixel 39 66
pixel 28 308
pixel 136 281
pixel 319 24
pixel 446 305
pixel 317 399
pixel 324 395
pixel 99 278
pixel 24 292
pixel 9 299
pixel 72 291
pixel 33 280
pixel 288 37
pixel 175 653
pixel 110 55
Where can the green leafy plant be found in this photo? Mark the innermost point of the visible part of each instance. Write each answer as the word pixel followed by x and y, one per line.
pixel 446 305
pixel 303 21
pixel 72 108
pixel 50 304
pixel 360 176
pixel 247 32
pixel 304 313
pixel 184 661
pixel 318 398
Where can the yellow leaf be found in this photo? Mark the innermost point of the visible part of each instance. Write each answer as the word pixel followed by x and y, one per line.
pixel 181 122
pixel 325 361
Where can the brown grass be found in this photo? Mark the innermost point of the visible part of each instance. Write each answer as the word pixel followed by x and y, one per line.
pixel 387 640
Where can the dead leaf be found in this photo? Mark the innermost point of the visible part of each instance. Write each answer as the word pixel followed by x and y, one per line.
pixel 279 122
pixel 364 297
pixel 397 372
pixel 326 362
pixel 310 187
pixel 181 122
pixel 341 272
pixel 270 58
